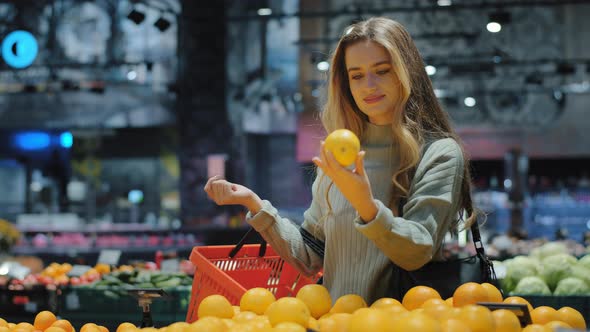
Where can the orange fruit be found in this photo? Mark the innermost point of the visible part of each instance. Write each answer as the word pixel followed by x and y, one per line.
pixel 452 313
pixel 43 320
pixel 243 317
pixel 102 328
pixel 216 306
pixel 316 298
pixel 385 302
pixel 89 327
pixel 288 309
pixel 415 321
pixel 536 328
pixel 313 324
pixel 126 327
pixel 344 145
pixel 4 328
pixel 494 294
pixel 454 325
pixel 469 293
pixel 417 295
pixel 373 320
pixel 348 303
pixel 573 317
pixel 338 322
pixel 438 312
pixel 64 324
pixel 450 301
pixel 478 318
pixel 24 326
pixel 3 323
pixel 518 300
pixel 256 300
pixel 506 321
pixel 54 329
pixel 553 325
pixel 434 302
pixel 543 315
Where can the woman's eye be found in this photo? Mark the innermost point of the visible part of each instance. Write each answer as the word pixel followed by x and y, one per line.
pixel 383 72
pixel 357 77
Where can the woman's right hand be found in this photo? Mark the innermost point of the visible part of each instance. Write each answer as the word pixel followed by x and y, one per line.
pixel 223 192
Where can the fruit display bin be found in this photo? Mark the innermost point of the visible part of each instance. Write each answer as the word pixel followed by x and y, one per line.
pixel 113 305
pixel 580 303
pixel 217 273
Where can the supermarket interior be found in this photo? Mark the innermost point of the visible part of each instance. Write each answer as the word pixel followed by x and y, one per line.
pixel 116 116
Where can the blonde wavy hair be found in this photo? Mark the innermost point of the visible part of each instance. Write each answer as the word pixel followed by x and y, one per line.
pixel 422 118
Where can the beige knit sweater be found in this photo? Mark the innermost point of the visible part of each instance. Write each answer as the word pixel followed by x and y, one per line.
pixel 358 255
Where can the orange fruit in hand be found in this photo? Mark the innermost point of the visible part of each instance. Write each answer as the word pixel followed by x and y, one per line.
pixel 316 298
pixel 469 293
pixel 573 317
pixel 43 320
pixel 256 300
pixel 344 145
pixel 417 295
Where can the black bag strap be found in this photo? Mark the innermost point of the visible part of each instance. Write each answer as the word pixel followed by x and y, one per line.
pixel 242 241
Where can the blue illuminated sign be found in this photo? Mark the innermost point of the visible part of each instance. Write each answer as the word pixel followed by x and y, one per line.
pixel 32 140
pixel 19 49
pixel 66 140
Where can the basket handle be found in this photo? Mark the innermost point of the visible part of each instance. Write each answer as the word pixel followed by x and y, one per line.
pixel 241 243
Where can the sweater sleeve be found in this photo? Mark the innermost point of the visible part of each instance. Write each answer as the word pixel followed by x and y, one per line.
pixel 411 241
pixel 284 236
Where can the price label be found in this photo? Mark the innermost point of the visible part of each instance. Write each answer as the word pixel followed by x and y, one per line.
pixel 109 257
pixel 72 301
pixel 78 270
pixel 170 265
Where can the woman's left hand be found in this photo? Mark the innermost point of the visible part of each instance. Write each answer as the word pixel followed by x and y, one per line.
pixel 354 185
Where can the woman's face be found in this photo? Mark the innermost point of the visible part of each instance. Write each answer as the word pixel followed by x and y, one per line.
pixel 373 83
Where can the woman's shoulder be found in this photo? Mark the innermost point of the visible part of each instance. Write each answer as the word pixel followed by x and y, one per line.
pixel 439 147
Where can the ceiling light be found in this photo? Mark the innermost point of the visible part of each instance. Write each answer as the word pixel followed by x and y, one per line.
pixel 444 3
pixel 494 27
pixel 136 16
pixel 264 11
pixel 323 66
pixel 430 70
pixel 469 101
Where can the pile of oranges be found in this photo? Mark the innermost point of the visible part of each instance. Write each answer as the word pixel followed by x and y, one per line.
pixel 422 309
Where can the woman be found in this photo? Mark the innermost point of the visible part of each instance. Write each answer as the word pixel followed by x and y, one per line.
pixel 378 88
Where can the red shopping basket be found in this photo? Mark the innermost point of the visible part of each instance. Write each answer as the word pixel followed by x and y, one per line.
pixel 217 273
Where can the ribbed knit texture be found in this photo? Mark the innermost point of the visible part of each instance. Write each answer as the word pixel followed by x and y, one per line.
pixel 358 255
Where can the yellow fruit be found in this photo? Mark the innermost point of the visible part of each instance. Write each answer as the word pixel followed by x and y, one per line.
pixel 256 300
pixel 3 323
pixel 43 320
pixel 288 309
pixel 244 316
pixel 543 315
pixel 454 325
pixel 373 320
pixel 348 303
pixel 102 328
pixel 415 321
pixel 337 322
pixel 89 327
pixel 450 302
pixel 553 325
pixel 177 327
pixel 54 329
pixel 207 324
pixel 506 321
pixel 313 324
pixel 536 328
pixel 126 327
pixel 573 317
pixel 439 312
pixel 434 302
pixel 469 293
pixel 494 294
pixel 216 306
pixel 417 295
pixel 344 145
pixel 4 328
pixel 316 298
pixel 288 327
pixel 386 302
pixel 24 326
pixel 478 318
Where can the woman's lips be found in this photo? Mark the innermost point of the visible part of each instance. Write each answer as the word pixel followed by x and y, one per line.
pixel 372 100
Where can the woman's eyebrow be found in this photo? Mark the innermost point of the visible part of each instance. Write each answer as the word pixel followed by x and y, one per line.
pixel 374 65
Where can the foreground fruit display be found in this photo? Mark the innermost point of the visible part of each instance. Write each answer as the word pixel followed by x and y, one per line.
pixel 312 309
